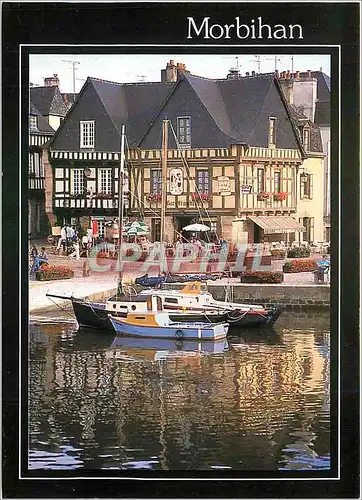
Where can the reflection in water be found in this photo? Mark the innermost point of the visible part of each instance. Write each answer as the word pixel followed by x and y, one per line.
pixel 258 401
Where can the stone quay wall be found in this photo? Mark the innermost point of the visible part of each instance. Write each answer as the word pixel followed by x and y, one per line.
pixel 289 296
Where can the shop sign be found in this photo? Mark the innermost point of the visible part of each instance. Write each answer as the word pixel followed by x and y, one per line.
pixel 245 189
pixel 224 185
pixel 176 181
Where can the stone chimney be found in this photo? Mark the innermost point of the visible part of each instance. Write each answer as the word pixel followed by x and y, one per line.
pixel 173 71
pixel 52 81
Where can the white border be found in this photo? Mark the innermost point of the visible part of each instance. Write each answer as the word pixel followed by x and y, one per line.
pixel 304 478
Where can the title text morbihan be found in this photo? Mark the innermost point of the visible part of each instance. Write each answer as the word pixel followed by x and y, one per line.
pixel 255 29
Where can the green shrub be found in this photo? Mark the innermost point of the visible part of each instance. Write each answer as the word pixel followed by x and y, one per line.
pixel 298 252
pixel 262 277
pixel 277 254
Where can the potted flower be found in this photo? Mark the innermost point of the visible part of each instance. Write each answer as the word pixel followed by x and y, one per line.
pixel 200 196
pixel 155 197
pixel 263 195
pixel 280 196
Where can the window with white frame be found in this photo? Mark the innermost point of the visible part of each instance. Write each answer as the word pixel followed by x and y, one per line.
pixel 306 139
pixel 31 163
pixel 33 122
pixel 277 181
pixel 41 166
pixel 77 181
pixel 105 180
pixel 87 134
pixel 184 130
pixel 272 131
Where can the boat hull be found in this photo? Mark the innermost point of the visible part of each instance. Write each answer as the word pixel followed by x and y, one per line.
pixel 94 315
pixel 179 331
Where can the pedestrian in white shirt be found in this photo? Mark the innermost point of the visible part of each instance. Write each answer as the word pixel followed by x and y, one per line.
pixel 75 255
pixel 66 234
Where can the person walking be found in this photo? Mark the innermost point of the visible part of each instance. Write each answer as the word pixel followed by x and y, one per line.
pixel 75 254
pixel 66 234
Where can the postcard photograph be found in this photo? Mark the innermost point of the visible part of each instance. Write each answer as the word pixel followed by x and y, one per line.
pixel 184 313
pixel 180 205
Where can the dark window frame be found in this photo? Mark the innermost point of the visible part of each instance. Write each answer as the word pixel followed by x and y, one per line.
pixel 277 181
pixel 156 181
pixel 202 181
pixel 184 131
pixel 261 179
pixel 272 134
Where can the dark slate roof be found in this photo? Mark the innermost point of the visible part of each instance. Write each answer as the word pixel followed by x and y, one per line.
pixel 322 113
pixel 134 104
pixel 210 94
pixel 48 100
pixel 238 109
pixel 42 124
pixel 244 99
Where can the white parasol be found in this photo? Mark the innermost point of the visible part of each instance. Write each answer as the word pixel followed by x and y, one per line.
pixel 196 227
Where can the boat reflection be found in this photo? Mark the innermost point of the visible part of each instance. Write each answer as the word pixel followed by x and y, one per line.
pixel 154 349
pixel 238 336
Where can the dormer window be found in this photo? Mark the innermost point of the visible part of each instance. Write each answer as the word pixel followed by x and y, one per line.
pixel 306 139
pixel 184 131
pixel 87 134
pixel 33 123
pixel 272 132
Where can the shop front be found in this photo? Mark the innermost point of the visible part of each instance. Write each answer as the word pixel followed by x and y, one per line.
pixel 278 228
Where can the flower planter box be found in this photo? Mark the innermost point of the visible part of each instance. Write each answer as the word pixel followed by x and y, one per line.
pixel 298 252
pixel 251 258
pixel 262 277
pixel 278 254
pixel 50 273
pixel 300 266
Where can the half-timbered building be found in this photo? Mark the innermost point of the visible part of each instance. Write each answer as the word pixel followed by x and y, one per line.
pixel 233 155
pixel 46 110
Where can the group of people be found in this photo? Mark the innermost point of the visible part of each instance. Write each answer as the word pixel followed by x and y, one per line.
pixel 70 238
pixel 39 258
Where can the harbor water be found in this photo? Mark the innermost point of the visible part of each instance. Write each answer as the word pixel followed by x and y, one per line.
pixel 258 401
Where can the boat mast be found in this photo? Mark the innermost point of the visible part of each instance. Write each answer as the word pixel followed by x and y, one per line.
pixel 120 213
pixel 164 178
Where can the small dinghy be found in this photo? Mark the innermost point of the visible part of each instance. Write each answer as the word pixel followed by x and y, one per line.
pixel 159 325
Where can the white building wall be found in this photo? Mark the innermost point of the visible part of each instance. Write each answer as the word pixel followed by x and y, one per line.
pixel 326 141
pixel 313 208
pixel 305 95
pixel 54 121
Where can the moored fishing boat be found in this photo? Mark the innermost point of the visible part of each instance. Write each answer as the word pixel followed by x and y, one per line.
pixel 159 325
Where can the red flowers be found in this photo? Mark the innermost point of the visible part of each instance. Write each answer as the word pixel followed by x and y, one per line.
pixel 300 266
pixel 47 272
pixel 263 195
pixel 200 196
pixel 280 196
pixel 155 197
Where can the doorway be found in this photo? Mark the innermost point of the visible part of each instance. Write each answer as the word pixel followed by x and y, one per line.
pixel 156 229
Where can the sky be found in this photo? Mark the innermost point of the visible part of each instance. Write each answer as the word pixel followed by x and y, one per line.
pixel 137 68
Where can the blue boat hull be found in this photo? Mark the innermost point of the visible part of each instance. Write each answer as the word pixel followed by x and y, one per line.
pixel 177 331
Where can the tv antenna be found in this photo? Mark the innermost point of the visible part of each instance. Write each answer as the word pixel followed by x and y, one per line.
pixel 258 61
pixel 74 70
pixel 276 59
